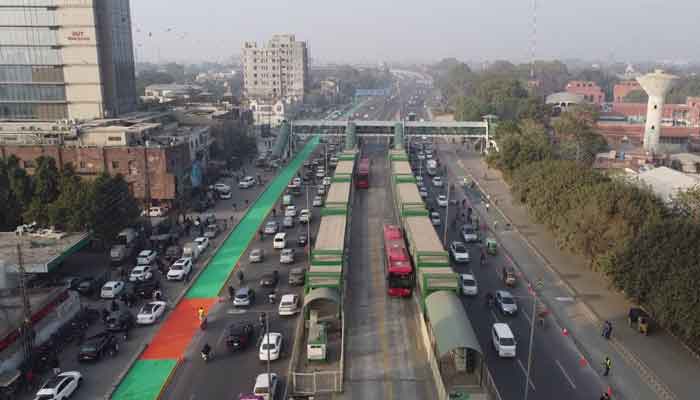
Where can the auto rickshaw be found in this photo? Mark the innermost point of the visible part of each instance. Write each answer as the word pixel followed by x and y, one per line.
pixel 509 276
pixel 491 246
pixel 640 318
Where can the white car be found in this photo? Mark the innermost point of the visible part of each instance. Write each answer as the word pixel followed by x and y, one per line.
pixel 266 386
pixel 419 180
pixel 442 200
pixel 256 256
pixel 270 346
pixel 435 218
pixel 296 181
pixel 289 305
pixel 305 216
pixel 327 181
pixel 246 182
pixel 225 195
pixel 459 252
pixel 437 181
pixel 423 193
pixel 150 312
pixel 60 387
pixel 202 243
pixel 468 284
pixel 287 256
pixel 222 187
pixel 318 201
pixel 290 211
pixel 154 212
pixel 180 269
pixel 321 190
pixel 140 273
pixel 421 156
pixel 111 289
pixel 271 227
pixel 280 241
pixel 146 257
pixel 320 173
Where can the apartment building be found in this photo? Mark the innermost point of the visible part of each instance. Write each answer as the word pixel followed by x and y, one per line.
pixel 65 59
pixel 276 71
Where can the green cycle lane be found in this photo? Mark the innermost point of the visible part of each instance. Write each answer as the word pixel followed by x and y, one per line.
pixel 146 378
pixel 214 277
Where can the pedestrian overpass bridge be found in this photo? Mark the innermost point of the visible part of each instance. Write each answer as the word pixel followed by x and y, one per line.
pixel 402 132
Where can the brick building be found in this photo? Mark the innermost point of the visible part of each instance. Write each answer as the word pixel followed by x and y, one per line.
pixel 622 89
pixel 687 114
pixel 592 93
pixel 152 151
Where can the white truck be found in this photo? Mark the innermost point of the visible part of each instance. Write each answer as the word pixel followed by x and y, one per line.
pixel 192 250
pixel 125 246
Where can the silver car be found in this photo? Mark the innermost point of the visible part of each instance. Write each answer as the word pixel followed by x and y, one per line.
pixel 506 302
pixel 256 256
pixel 271 227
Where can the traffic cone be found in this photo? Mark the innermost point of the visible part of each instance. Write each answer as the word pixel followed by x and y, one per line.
pixel 564 331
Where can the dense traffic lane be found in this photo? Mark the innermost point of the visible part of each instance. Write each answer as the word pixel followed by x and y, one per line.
pixel 229 374
pixel 556 370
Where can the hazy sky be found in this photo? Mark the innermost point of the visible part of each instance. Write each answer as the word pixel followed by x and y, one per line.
pixel 412 30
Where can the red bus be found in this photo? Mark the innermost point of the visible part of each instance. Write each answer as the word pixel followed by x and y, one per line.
pixel 397 263
pixel 362 176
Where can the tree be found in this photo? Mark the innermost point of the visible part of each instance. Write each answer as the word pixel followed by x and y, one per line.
pixel 636 96
pixel 46 190
pixel 69 211
pixel 577 137
pixel 113 207
pixel 519 145
pixel 470 109
pixel 687 203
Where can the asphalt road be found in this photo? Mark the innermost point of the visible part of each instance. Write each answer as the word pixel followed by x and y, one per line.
pixel 99 377
pixel 228 374
pixel 556 370
pixel 385 358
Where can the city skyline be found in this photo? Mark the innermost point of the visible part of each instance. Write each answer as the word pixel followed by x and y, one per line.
pixel 371 32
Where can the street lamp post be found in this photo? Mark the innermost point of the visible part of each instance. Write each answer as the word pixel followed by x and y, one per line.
pixel 532 337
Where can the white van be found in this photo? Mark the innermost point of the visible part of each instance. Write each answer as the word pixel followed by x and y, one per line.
pixel 503 340
pixel 266 386
pixel 280 241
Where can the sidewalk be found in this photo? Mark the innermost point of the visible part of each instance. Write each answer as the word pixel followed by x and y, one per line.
pixel 661 362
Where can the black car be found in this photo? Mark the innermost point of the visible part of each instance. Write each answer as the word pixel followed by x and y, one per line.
pixel 239 335
pixel 302 240
pixel 119 321
pixel 95 347
pixel 89 286
pixel 269 280
pixel 143 288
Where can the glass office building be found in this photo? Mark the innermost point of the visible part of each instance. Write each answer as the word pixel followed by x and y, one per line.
pixel 65 59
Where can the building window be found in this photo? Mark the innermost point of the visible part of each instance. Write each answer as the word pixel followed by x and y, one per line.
pixel 115 164
pixel 82 164
pixel 133 169
pixel 114 139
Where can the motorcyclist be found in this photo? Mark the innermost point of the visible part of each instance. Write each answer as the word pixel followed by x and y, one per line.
pixel 231 292
pixel 200 313
pixel 262 319
pixel 489 299
pixel 483 258
pixel 206 351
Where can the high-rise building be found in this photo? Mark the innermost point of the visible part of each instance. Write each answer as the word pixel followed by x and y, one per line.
pixel 278 70
pixel 65 59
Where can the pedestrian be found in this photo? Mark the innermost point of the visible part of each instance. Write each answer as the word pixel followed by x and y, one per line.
pixel 231 292
pixel 607 364
pixel 488 206
pixel 240 276
pixel 234 206
pixel 246 203
pixel 495 225
pixel 55 365
pixel 115 306
pixel 274 212
pixel 607 329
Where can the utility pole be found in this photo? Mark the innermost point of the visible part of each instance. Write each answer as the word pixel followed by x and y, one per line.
pixel 26 331
pixel 447 213
pixel 147 188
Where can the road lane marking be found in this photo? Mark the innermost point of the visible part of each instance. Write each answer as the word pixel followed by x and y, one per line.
pixel 495 317
pixel 522 367
pixel 568 378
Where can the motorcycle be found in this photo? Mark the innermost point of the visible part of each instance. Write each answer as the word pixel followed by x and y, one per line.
pixel 207 356
pixel 203 324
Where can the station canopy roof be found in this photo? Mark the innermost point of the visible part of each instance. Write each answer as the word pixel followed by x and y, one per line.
pixel 449 322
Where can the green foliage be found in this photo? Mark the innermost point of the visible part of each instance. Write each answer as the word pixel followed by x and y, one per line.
pixel 520 145
pixel 687 86
pixel 578 140
pixel 113 206
pixel 687 203
pixel 636 96
pixel 63 199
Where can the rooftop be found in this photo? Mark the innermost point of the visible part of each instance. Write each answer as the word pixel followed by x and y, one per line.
pixel 42 251
pixel 667 182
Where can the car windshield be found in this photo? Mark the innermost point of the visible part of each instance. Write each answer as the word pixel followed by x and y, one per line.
pixel 507 342
pixel 177 267
pixel 268 346
pixel 271 224
pixel 507 300
pixel 242 295
pixel 148 308
pixel 469 282
pixel 88 348
pixel 459 248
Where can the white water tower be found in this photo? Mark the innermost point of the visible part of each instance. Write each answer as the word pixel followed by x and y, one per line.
pixel 657 85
